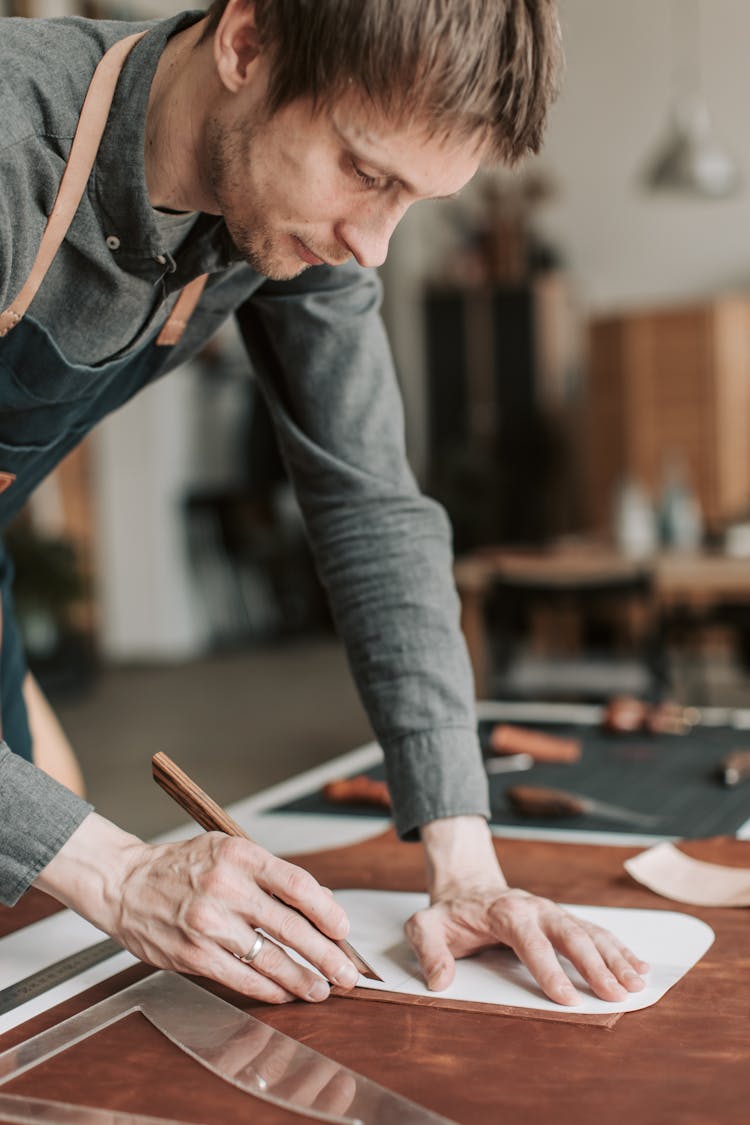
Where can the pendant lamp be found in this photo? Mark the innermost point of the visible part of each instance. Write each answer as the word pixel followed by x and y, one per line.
pixel 690 160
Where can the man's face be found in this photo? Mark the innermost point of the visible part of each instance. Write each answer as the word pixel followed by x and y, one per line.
pixel 300 189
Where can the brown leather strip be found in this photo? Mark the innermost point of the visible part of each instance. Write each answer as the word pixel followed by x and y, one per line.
pixel 589 1019
pixel 88 135
pixel 181 313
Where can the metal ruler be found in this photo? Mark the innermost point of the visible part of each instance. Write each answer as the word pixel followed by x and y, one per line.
pixel 44 979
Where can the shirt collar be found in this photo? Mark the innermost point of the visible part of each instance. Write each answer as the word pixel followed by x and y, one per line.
pixel 120 172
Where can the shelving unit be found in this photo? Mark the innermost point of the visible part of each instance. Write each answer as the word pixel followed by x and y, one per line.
pixel 667 385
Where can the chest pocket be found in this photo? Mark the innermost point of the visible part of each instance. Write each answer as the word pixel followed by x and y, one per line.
pixel 43 397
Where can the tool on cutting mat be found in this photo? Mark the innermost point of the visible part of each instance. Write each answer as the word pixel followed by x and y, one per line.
pixel 669 717
pixel 507 738
pixel 735 768
pixel 204 810
pixel 625 714
pixel 234 1045
pixel 359 790
pixel 509 763
pixel 539 801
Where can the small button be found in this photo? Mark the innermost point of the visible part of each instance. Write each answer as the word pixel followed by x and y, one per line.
pixel 161 259
pixel 113 242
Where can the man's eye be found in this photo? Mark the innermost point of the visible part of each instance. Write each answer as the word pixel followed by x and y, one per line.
pixel 367 181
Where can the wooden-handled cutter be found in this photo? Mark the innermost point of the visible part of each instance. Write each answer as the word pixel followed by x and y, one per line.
pixel 205 811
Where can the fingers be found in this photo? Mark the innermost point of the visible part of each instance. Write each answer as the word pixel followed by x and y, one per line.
pixel 194 907
pixel 427 937
pixel 627 967
pixel 251 888
pixel 601 959
pixel 293 930
pixel 299 913
pixel 535 950
pixel 577 945
pixel 217 964
pixel 537 930
pixel 606 965
pixel 274 977
pixel 295 979
pixel 297 887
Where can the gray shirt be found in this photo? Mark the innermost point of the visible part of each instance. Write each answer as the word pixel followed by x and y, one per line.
pixel 319 352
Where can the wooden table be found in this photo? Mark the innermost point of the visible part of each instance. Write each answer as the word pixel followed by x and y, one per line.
pixel 686 1060
pixel 698 582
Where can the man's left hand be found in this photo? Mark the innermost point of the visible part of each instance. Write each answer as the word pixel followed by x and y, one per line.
pixel 472 908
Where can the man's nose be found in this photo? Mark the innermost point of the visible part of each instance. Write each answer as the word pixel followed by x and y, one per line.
pixel 368 237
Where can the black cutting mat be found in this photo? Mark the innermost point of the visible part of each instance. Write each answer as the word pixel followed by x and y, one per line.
pixel 670 776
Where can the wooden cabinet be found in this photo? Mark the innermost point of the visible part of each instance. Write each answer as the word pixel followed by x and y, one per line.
pixel 671 385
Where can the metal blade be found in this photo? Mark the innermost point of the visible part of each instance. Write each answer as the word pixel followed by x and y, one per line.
pixel 616 812
pixel 511 763
pixel 238 1048
pixel 362 966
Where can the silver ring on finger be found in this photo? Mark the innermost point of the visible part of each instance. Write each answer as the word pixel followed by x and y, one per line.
pixel 253 952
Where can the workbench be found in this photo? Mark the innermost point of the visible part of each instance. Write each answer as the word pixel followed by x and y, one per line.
pixel 693 583
pixel 686 1060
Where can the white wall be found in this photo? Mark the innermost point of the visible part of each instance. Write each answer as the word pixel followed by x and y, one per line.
pixel 623 246
pixel 143 462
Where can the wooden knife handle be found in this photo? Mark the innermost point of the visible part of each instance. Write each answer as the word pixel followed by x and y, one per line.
pixel 507 738
pixel 537 801
pixel 359 790
pixel 191 797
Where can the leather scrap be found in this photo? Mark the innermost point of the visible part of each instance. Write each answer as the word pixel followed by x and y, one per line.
pixel 667 871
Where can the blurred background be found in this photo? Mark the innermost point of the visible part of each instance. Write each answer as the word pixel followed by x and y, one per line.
pixel 573 344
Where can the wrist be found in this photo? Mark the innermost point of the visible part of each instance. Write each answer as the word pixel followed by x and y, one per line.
pixel 458 851
pixel 90 870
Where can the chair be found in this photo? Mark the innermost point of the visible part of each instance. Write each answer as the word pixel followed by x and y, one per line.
pixel 579 635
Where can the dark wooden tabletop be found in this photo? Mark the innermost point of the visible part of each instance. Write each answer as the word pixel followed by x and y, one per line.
pixel 685 1060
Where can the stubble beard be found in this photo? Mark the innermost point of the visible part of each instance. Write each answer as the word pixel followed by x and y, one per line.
pixel 229 150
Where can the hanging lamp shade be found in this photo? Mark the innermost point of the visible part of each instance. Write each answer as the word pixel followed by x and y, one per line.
pixel 690 160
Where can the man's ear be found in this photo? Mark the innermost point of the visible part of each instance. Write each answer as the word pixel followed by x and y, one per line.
pixel 236 45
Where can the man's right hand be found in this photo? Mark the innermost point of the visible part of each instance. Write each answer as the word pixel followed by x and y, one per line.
pixel 194 906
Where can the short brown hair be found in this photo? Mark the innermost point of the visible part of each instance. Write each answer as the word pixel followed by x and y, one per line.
pixel 468 67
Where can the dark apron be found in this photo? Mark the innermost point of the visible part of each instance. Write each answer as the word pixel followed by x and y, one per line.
pixel 48 404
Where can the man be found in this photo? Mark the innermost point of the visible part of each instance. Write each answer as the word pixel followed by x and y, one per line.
pixel 273 147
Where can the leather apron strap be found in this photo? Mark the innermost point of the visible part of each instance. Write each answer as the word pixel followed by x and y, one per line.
pixel 88 135
pixel 181 313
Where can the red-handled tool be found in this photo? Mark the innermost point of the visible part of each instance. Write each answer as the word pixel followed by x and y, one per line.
pixel 507 738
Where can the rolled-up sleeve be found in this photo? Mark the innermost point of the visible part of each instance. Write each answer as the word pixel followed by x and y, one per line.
pixel 383 550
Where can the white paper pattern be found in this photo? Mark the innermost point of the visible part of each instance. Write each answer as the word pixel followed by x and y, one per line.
pixel 670 942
